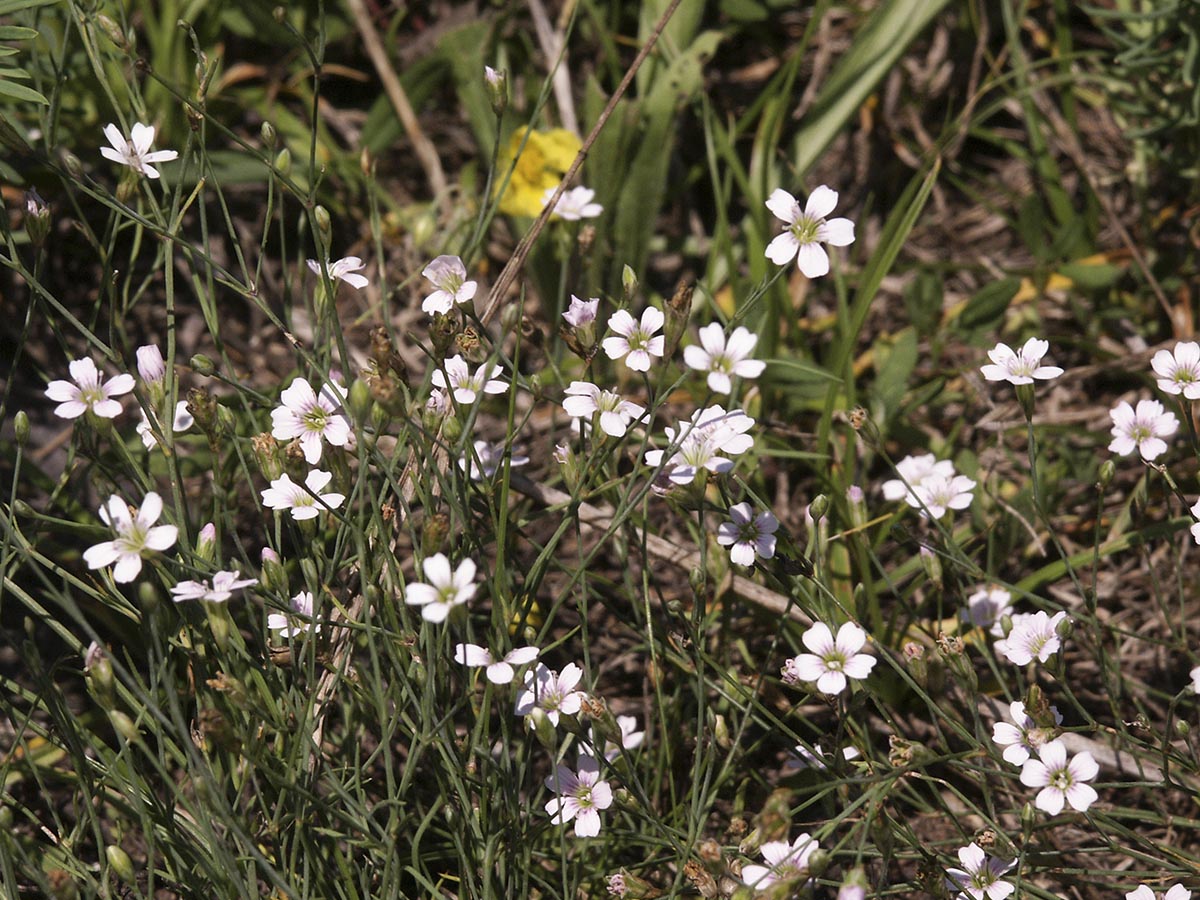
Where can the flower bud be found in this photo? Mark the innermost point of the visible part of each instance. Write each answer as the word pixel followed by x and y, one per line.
pixel 279 14
pixel 283 162
pixel 854 885
pixel 119 862
pixel 324 223
pixel 1064 627
pixel 148 596
pixel 1182 728
pixel 273 578
pixel 358 400
pixel 629 283
pixel 269 136
pixel 818 862
pixel 451 429
pixel 721 732
pixel 123 725
pixel 856 499
pixel 206 543
pixel 21 428
pixel 1028 818
pixel 496 81
pixel 543 728
pixel 98 675
pixel 818 508
pixel 37 219
pixel 932 564
pixel 150 364
pixel 71 163
pixel 203 365
pixel 267 455
pixel 114 33
pixel 1107 470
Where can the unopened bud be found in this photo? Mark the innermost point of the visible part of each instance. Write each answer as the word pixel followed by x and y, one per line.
pixel 818 507
pixel 203 365
pixel 267 455
pixel 358 400
pixel 629 283
pixel 451 429
pixel 721 732
pixel 324 223
pixel 1028 817
pixel 267 131
pixel 1064 627
pixel 114 33
pixel 72 164
pixel 932 564
pixel 543 728
pixel 206 543
pixel 273 578
pixel 98 675
pixel 283 162
pixel 1182 728
pixel 123 725
pixel 1107 470
pixel 150 364
pixel 818 862
pixel 37 218
pixel 119 862
pixel 279 14
pixel 21 428
pixel 496 81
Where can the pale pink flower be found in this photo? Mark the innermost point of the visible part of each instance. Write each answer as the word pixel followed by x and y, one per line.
pixel 913 470
pixel 150 363
pixel 551 692
pixel 987 607
pixel 584 400
pixel 636 341
pixel 443 590
pixel 979 877
pixel 832 660
pixel 784 862
pixel 581 796
pixel 748 535
pixel 87 393
pixel 581 312
pixel 1142 430
pixel 938 494
pixel 182 422
pixel 289 626
pixel 1178 371
pixel 1021 738
pixel 464 385
pixel 631 739
pixel 285 494
pixel 311 418
pixel 701 442
pixel 1061 781
pixel 135 152
pixel 723 358
pixel 136 536
pixel 448 275
pixel 1032 637
pixel 806 230
pixel 574 204
pixel 222 588
pixel 343 270
pixel 498 671
pixel 1019 366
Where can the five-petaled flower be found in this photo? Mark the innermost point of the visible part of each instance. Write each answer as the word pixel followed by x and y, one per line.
pixel 1142 429
pixel 343 270
pixel 634 340
pixel 1061 780
pixel 136 535
pixel 1022 737
pixel 1032 637
pixel 222 588
pixel 784 862
pixel 987 607
pixel 979 877
pixel 465 386
pixel 574 204
pixel 443 590
pixel 1178 371
pixel 913 471
pixel 499 671
pixel 723 357
pixel 585 400
pixel 304 504
pixel 289 626
pixel 1019 366
pixel 581 796
pixel 937 494
pixel 87 393
pixel 806 230
pixel 581 312
pixel 700 443
pixel 448 276
pixel 485 458
pixel 832 660
pixel 748 535
pixel 135 152
pixel 311 418
pixel 551 692
pixel 1195 529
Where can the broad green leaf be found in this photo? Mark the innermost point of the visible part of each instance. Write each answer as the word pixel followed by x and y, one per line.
pixel 20 92
pixel 17 33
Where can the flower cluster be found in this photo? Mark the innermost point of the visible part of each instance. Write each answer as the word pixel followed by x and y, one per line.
pixel 929 485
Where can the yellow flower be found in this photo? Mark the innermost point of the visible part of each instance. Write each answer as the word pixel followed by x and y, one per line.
pixel 541 165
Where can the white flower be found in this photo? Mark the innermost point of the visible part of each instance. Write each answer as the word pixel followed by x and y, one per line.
pixel 498 671
pixel 486 459
pixel 448 275
pixel 748 535
pixel 585 400
pixel 1020 366
pixel 304 504
pixel 1061 782
pixel 343 270
pixel 1195 529
pixel 979 878
pixel 852 892
pixel 551 692
pixel 1178 371
pixel 286 625
pixel 223 586
pixel 87 393
pixel 310 417
pixel 182 422
pixel 581 796
pixel 816 758
pixel 1032 637
pixel 1195 676
pixel 832 660
pixel 806 230
pixel 784 862
pixel 631 739
pixel 574 204
pixel 1142 430
pixel 987 607
pixel 135 152
pixel 637 339
pixel 1175 892
pixel 939 493
pixel 150 363
pixel 1016 739
pixel 701 441
pixel 722 358
pixel 444 590
pixel 458 379
pixel 136 535
pixel 913 470
pixel 581 312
